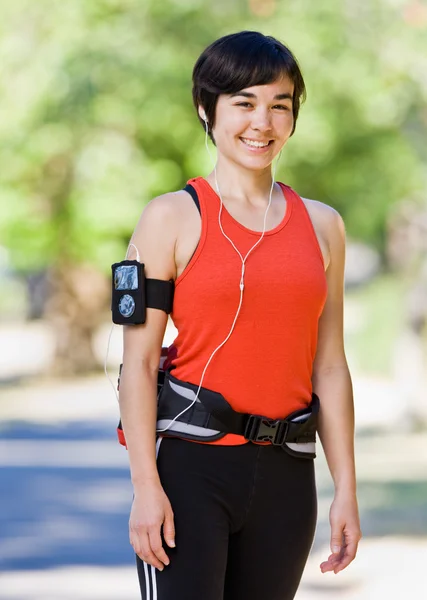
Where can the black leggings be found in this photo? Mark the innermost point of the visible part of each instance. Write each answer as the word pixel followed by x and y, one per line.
pixel 245 518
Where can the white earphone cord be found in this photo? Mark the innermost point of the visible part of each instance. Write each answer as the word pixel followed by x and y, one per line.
pixel 242 282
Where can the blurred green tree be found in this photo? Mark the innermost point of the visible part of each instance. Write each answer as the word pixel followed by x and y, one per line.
pixel 96 118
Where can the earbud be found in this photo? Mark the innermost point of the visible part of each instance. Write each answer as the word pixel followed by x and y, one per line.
pixel 204 117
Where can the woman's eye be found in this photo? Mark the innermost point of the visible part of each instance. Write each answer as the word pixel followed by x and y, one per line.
pixel 249 105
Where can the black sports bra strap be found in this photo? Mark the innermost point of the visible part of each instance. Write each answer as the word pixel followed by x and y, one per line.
pixel 189 188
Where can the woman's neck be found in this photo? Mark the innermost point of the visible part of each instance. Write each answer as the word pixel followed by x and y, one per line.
pixel 244 185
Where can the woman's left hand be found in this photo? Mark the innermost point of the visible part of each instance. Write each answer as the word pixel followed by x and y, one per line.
pixel 345 532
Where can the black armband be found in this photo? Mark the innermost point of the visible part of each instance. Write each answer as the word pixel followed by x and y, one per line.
pixel 133 293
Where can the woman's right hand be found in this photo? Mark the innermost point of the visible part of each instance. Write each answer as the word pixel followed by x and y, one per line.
pixel 151 510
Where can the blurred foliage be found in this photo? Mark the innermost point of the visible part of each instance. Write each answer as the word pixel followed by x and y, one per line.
pixel 375 318
pixel 96 115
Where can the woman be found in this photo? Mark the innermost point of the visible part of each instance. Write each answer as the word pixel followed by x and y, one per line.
pixel 259 311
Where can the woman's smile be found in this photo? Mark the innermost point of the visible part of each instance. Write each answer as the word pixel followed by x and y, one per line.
pixel 256 146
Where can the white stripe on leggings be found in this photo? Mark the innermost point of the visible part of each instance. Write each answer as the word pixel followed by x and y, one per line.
pixel 147 582
pixel 153 575
pixel 153 569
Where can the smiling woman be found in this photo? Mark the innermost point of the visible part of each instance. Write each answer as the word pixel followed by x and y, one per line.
pixel 258 307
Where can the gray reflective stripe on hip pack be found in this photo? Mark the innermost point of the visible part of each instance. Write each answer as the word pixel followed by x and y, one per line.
pixel 306 448
pixel 180 427
pixel 182 391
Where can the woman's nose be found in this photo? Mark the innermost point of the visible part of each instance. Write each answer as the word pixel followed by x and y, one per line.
pixel 261 120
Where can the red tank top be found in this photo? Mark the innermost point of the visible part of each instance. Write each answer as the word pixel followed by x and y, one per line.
pixel 265 367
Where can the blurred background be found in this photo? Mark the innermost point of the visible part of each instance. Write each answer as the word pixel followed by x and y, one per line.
pixel 96 118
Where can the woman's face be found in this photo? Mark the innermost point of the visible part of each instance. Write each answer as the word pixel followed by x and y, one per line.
pixel 252 125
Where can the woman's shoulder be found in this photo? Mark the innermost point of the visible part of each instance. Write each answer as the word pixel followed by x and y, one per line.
pixel 328 225
pixel 167 215
pixel 328 218
pixel 160 214
pixel 169 224
pixel 319 210
pixel 168 206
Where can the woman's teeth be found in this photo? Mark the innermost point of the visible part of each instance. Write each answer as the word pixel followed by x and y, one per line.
pixel 254 144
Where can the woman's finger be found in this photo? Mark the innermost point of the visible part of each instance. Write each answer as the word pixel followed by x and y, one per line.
pixel 157 546
pixel 169 529
pixel 330 564
pixel 349 556
pixel 142 547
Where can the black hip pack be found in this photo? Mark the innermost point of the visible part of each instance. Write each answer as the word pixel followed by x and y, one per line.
pixel 211 417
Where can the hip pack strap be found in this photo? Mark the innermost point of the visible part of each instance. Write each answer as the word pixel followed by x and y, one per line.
pixel 211 417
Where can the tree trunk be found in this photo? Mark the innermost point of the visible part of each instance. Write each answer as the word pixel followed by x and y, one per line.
pixel 77 306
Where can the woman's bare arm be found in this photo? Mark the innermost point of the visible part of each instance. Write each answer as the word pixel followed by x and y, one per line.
pixel 331 377
pixel 155 238
pixel 332 383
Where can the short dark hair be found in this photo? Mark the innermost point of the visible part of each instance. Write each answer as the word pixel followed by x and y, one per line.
pixel 242 60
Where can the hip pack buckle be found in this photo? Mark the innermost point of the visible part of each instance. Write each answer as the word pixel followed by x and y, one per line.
pixel 261 429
